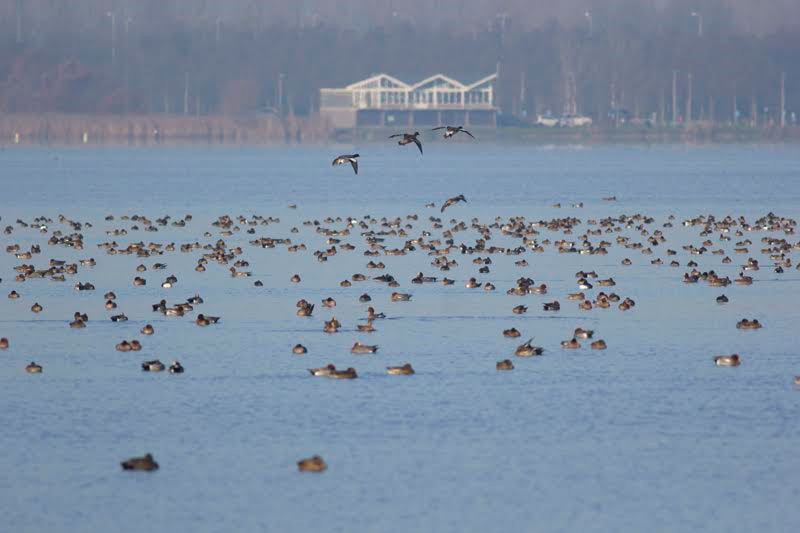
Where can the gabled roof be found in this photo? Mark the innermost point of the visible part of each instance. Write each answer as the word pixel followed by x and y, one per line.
pixel 482 81
pixel 439 80
pixel 379 80
pixel 386 81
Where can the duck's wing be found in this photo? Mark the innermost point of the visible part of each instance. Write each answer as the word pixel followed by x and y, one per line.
pixel 419 144
pixel 439 128
pixel 354 162
pixel 337 161
pixel 468 133
pixel 397 135
pixel 447 204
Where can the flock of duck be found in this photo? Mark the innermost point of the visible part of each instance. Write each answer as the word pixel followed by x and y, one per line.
pixel 444 242
pixel 405 138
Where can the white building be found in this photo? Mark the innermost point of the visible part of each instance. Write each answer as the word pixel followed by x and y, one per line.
pixel 382 100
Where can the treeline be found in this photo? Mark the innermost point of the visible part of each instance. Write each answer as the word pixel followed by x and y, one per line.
pixel 619 58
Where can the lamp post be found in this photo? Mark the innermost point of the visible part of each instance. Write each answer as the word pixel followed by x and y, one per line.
pixel 113 36
pixel 281 77
pixel 699 17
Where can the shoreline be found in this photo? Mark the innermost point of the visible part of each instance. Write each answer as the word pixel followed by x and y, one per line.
pixel 136 131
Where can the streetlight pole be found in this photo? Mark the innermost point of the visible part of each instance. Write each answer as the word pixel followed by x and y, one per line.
pixel 19 21
pixel 281 77
pixel 128 21
pixel 674 97
pixel 699 22
pixel 113 36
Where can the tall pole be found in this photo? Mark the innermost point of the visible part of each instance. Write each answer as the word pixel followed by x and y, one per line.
pixel 783 99
pixel 186 93
pixel 674 97
pixel 128 21
pixel 19 21
pixel 699 17
pixel 113 36
pixel 281 76
pixel 689 101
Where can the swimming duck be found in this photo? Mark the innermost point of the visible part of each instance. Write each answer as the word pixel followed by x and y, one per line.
pixel 581 333
pixel 13 295
pixel 329 302
pixel 722 299
pixel 368 327
pixel 373 315
pixel 576 296
pixel 205 320
pixel 295 279
pixel 364 298
pixel 110 296
pixel 176 368
pixel 147 330
pixel 453 200
pixel 513 332
pixel 505 364
pixel 400 297
pixel 360 348
pixel 306 309
pixel 4 343
pixel 138 282
pixel 727 360
pixel 552 306
pixel 599 344
pixel 350 373
pixel 519 309
pixel 571 344
pixel 194 300
pixel 124 346
pixel 331 326
pixel 449 131
pixel 472 283
pixel 153 366
pixel 238 273
pixel 146 463
pixel 347 158
pixel 528 350
pixel 119 318
pixel 408 138
pixel 748 324
pixel 135 346
pixel 299 349
pixel 324 371
pixel 405 370
pixel 33 368
pixel 312 464
pixel 36 308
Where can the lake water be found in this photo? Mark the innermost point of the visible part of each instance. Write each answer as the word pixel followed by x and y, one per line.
pixel 647 435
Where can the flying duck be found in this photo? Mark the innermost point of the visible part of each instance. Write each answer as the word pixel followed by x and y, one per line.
pixel 408 138
pixel 451 201
pixel 347 158
pixel 452 130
